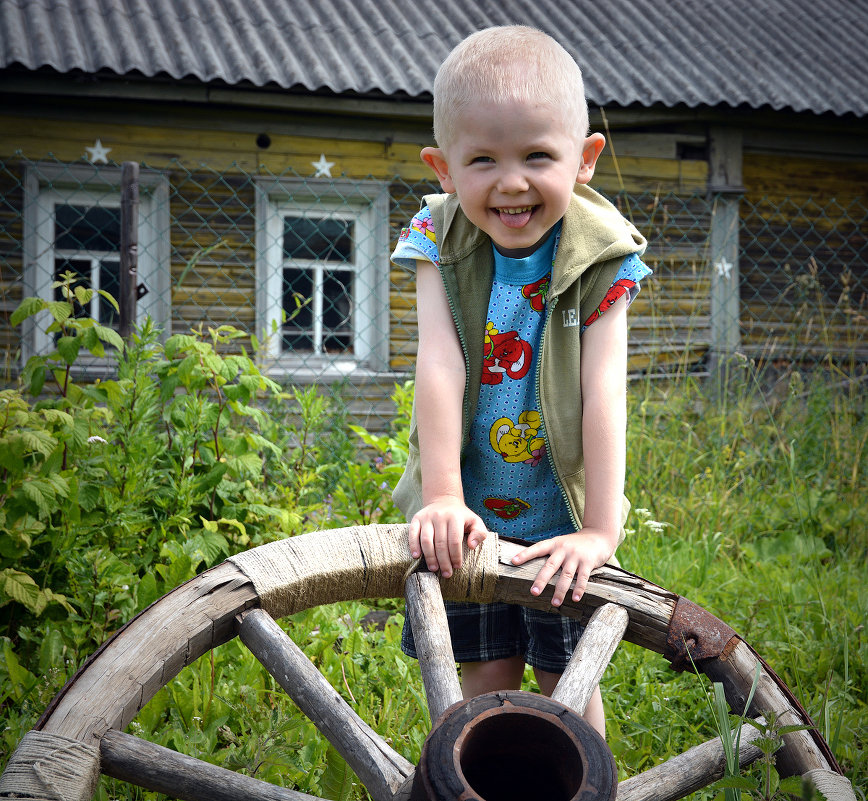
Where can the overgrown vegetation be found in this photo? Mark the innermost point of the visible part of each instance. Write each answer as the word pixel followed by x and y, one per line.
pixel 746 500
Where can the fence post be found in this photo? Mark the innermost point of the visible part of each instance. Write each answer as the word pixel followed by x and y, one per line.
pixel 725 189
pixel 129 246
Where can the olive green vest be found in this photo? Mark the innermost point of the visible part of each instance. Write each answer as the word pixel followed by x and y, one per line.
pixel 594 241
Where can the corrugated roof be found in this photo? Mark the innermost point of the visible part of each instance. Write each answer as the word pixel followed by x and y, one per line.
pixel 805 55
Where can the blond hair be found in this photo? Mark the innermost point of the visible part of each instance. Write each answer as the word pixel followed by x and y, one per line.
pixel 509 63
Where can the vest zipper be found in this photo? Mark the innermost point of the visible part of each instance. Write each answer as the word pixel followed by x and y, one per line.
pixel 549 312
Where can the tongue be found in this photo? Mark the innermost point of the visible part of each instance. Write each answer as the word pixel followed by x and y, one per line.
pixel 515 220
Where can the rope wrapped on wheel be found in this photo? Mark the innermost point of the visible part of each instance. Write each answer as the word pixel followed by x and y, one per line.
pixel 48 767
pixel 354 562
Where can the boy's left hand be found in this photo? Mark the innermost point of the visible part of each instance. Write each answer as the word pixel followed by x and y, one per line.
pixel 575 555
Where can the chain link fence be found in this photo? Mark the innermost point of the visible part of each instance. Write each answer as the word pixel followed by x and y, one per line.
pixel 303 264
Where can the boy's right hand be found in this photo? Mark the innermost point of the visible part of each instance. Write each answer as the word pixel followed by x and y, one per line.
pixel 437 534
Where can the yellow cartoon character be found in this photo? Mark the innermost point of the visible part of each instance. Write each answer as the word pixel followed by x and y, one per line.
pixel 518 442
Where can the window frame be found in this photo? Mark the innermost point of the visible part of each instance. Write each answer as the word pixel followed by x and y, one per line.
pixel 366 203
pixel 49 185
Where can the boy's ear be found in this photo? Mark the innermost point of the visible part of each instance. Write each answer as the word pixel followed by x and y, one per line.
pixel 435 158
pixel 591 149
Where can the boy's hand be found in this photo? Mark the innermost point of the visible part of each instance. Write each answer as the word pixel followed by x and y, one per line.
pixel 437 533
pixel 575 555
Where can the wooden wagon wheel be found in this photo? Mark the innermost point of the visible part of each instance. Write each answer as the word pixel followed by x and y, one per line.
pixel 82 731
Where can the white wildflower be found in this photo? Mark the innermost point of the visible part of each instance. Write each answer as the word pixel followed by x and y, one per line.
pixel 92 440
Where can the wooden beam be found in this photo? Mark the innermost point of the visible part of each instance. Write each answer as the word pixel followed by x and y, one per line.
pixel 683 774
pixel 379 768
pixel 593 652
pixel 162 770
pixel 725 186
pixel 433 643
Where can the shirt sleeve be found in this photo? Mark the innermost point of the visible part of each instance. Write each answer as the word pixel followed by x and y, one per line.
pixel 627 282
pixel 417 241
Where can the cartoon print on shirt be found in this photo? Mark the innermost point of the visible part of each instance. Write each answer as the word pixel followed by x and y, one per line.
pixel 504 354
pixel 621 286
pixel 518 442
pixel 506 508
pixel 536 292
pixel 425 227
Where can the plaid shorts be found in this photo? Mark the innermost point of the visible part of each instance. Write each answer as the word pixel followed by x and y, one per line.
pixel 482 632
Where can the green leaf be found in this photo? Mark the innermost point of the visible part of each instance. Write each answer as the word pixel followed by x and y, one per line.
pixel 337 779
pixel 51 651
pixel 40 442
pixel 110 298
pixel 109 335
pixel 146 592
pixel 83 295
pixel 60 310
pixel 37 378
pixel 212 478
pixel 20 587
pixel 27 308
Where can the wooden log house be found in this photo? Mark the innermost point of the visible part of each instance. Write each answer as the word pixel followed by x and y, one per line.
pixel 279 150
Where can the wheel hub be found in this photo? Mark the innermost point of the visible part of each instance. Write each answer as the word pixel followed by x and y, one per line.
pixel 511 745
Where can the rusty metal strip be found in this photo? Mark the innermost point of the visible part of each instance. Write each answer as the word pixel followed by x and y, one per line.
pixel 695 634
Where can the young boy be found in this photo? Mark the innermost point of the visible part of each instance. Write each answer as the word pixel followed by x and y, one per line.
pixel 523 282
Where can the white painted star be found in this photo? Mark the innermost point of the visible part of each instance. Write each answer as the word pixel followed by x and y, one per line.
pixel 323 167
pixel 724 268
pixel 98 154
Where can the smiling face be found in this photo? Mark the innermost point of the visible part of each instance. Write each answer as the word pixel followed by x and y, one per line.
pixel 513 166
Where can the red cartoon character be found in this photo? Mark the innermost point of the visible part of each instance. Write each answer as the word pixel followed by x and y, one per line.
pixel 536 292
pixel 617 289
pixel 504 354
pixel 506 508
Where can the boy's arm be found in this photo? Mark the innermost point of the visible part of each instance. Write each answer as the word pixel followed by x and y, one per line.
pixel 604 424
pixel 437 530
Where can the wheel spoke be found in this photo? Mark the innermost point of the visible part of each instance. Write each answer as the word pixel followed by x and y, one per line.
pixel 381 769
pixel 593 652
pixel 162 770
pixel 684 774
pixel 433 644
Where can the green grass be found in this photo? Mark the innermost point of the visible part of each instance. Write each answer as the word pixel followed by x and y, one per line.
pixel 748 502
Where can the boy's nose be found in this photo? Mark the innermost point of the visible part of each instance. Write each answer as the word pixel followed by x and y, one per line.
pixel 511 181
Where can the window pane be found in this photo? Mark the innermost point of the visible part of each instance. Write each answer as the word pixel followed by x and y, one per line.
pixel 109 281
pixel 337 311
pixel 298 328
pixel 82 268
pixel 87 228
pixel 322 239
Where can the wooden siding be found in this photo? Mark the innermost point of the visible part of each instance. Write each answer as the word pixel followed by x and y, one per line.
pixel 804 271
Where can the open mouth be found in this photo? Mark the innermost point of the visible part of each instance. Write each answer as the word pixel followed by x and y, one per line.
pixel 515 216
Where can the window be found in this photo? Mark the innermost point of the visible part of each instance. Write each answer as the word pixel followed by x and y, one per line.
pixel 322 275
pixel 72 224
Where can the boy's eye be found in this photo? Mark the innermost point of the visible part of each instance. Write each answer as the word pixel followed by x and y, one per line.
pixel 481 160
pixel 538 154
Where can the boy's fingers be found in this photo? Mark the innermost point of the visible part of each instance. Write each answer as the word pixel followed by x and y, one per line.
pixel 428 546
pixel 551 566
pixel 562 587
pixel 531 552
pixel 415 548
pixel 443 557
pixel 581 584
pixel 456 539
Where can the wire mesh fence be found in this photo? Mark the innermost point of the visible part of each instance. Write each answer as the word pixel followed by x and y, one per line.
pixel 303 265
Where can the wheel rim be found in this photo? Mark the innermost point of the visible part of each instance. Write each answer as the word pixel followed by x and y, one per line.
pixel 241 596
